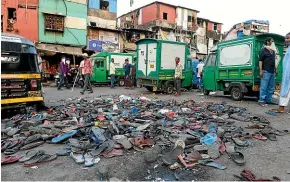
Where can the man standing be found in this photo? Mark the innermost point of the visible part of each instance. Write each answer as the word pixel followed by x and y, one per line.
pixel 199 70
pixel 63 72
pixel 127 66
pixel 112 72
pixel 285 88
pixel 177 76
pixel 88 71
pixel 267 72
pixel 40 69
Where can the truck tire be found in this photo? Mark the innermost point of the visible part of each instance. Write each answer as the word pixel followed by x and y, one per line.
pixel 237 94
pixel 206 92
pixel 150 89
pixel 169 89
pixel 121 82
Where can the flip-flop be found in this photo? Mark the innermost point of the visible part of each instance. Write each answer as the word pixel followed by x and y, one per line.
pixel 260 137
pixel 213 151
pixel 10 159
pixel 63 152
pixel 13 131
pixel 99 133
pixel 230 147
pixel 122 139
pixel 32 145
pixel 172 156
pixel 238 158
pixel 32 139
pixel 89 160
pixel 30 154
pixel 98 150
pixel 40 159
pixel 241 143
pixel 64 136
pixel 78 158
pixel 211 163
pixel 200 148
pixel 113 153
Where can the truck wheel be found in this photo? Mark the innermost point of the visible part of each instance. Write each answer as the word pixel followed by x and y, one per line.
pixel 206 92
pixel 150 89
pixel 169 89
pixel 237 94
pixel 121 83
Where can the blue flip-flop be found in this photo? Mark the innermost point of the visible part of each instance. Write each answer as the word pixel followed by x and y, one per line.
pixel 64 136
pixel 212 163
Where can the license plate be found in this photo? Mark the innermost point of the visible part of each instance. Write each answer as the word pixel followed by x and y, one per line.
pixel 154 88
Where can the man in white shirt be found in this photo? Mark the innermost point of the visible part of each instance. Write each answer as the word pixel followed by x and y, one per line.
pixel 112 73
pixel 199 73
pixel 178 76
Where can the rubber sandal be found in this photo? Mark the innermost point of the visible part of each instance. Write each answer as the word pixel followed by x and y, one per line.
pixel 32 145
pixel 32 138
pixel 99 133
pixel 212 163
pixel 63 152
pixel 98 150
pixel 241 143
pixel 172 156
pixel 10 159
pixel 230 147
pixel 238 158
pixel 78 158
pixel 30 154
pixel 260 137
pixel 64 136
pixel 122 139
pixel 89 160
pixel 113 153
pixel 200 148
pixel 40 159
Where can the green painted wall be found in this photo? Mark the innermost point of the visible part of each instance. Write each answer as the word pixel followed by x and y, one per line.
pixel 71 36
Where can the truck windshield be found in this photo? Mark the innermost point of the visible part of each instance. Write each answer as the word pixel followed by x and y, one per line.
pixel 18 62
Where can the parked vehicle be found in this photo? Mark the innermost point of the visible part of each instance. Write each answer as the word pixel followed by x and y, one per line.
pixel 233 66
pixel 101 70
pixel 20 74
pixel 156 64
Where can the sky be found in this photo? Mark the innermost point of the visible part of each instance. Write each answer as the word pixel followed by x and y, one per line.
pixel 229 12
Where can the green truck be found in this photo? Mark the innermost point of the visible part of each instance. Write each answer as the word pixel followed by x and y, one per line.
pixel 156 64
pixel 101 70
pixel 233 66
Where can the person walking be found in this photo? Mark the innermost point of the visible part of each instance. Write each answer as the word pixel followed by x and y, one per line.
pixel 267 72
pixel 128 70
pixel 63 72
pixel 112 72
pixel 285 86
pixel 88 71
pixel 40 69
pixel 177 76
pixel 199 69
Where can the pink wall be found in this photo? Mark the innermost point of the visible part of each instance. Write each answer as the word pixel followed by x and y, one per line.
pixel 171 13
pixel 149 13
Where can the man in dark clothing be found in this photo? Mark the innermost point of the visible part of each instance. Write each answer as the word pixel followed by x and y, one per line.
pixel 128 70
pixel 63 72
pixel 267 72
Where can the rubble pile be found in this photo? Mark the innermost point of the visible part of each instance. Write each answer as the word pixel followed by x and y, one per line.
pixel 174 134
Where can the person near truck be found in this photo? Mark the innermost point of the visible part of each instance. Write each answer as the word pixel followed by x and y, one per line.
pixel 88 71
pixel 128 70
pixel 63 72
pixel 285 86
pixel 177 76
pixel 134 73
pixel 267 72
pixel 199 69
pixel 112 72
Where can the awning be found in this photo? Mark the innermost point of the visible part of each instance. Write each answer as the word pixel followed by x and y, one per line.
pixel 60 49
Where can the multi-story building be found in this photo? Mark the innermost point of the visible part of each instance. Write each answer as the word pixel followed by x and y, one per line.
pixel 166 21
pixel 20 17
pixel 102 32
pixel 208 34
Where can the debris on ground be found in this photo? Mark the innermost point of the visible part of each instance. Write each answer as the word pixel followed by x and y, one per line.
pixel 181 136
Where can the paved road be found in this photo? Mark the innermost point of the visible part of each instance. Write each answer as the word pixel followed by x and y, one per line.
pixel 264 159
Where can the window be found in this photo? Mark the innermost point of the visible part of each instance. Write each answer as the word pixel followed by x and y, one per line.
pixel 133 36
pixel 18 63
pixel 211 59
pixel 164 16
pixel 54 22
pixel 99 63
pixel 104 5
pixel 215 26
pixel 12 13
pixel 200 23
pixel 189 19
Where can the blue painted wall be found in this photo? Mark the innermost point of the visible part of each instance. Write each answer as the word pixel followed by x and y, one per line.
pixel 71 36
pixel 95 4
